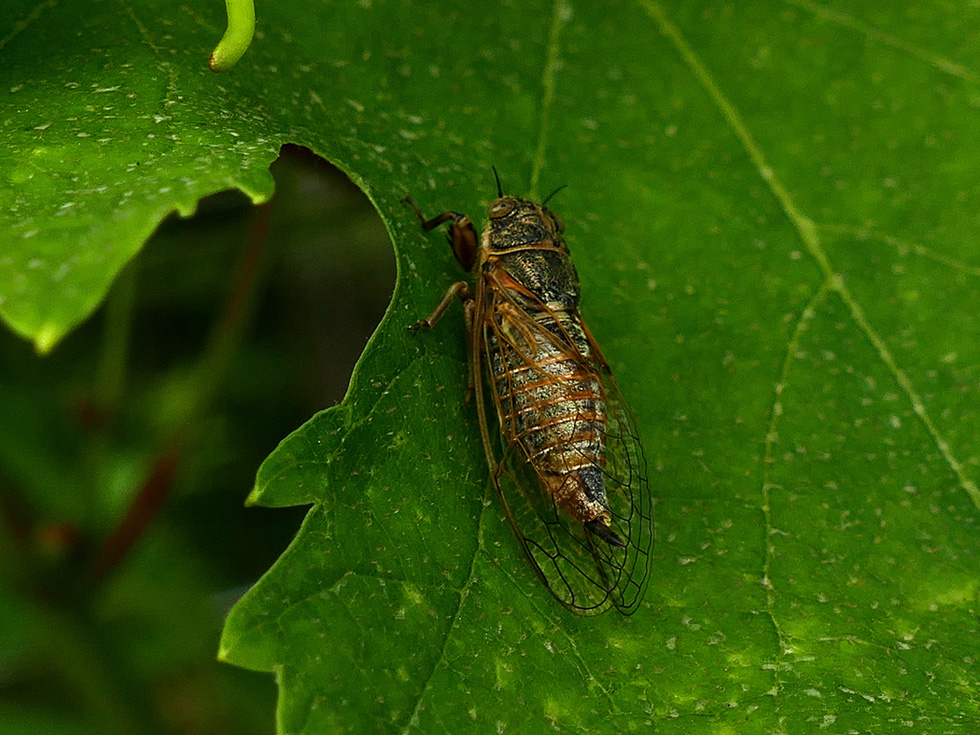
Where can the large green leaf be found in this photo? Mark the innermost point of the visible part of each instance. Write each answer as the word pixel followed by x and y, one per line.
pixel 771 206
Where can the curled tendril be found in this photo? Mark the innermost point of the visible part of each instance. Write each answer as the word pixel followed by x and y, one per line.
pixel 238 35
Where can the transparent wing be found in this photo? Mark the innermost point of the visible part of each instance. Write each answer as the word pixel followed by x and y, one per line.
pixel 584 572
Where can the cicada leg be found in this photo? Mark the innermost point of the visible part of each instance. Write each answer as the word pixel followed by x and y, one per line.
pixel 461 289
pixel 462 234
pixel 463 239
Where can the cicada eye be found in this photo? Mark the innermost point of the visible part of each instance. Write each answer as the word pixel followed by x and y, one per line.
pixel 502 207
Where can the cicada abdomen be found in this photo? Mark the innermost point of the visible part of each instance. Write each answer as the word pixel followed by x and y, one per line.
pixel 570 469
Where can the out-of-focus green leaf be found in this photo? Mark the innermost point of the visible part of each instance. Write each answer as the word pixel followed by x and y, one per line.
pixel 773 208
pixel 16 722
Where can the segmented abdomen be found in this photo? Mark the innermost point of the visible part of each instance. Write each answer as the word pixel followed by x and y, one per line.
pixel 549 399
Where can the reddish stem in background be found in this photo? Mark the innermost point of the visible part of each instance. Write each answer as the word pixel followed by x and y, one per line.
pixel 142 511
pixel 217 357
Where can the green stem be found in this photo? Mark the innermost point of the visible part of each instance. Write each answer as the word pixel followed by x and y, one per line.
pixel 222 345
pixel 111 378
pixel 228 329
pixel 238 35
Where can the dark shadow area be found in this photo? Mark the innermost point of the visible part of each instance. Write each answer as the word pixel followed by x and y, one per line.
pixel 126 456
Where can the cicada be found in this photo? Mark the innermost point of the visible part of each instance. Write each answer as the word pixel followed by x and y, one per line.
pixel 567 464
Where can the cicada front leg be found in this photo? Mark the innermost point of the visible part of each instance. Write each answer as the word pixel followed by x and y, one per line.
pixel 463 239
pixel 462 233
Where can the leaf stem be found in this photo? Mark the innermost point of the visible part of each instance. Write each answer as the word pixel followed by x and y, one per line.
pixel 222 345
pixel 111 377
pixel 141 512
pixel 238 35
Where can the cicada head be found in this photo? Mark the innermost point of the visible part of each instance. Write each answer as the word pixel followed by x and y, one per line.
pixel 517 223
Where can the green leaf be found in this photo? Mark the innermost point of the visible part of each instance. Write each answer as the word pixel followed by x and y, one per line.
pixel 772 208
pixel 112 120
pixel 817 529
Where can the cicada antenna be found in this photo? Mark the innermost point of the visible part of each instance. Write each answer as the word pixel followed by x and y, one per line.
pixel 500 191
pixel 547 198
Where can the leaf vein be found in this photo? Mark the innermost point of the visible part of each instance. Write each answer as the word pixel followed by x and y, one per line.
pixel 871 32
pixel 807 231
pixel 903 246
pixel 441 658
pixel 772 438
pixel 22 25
pixel 559 16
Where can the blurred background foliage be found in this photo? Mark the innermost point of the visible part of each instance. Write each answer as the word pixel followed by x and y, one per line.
pixel 780 204
pixel 111 603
